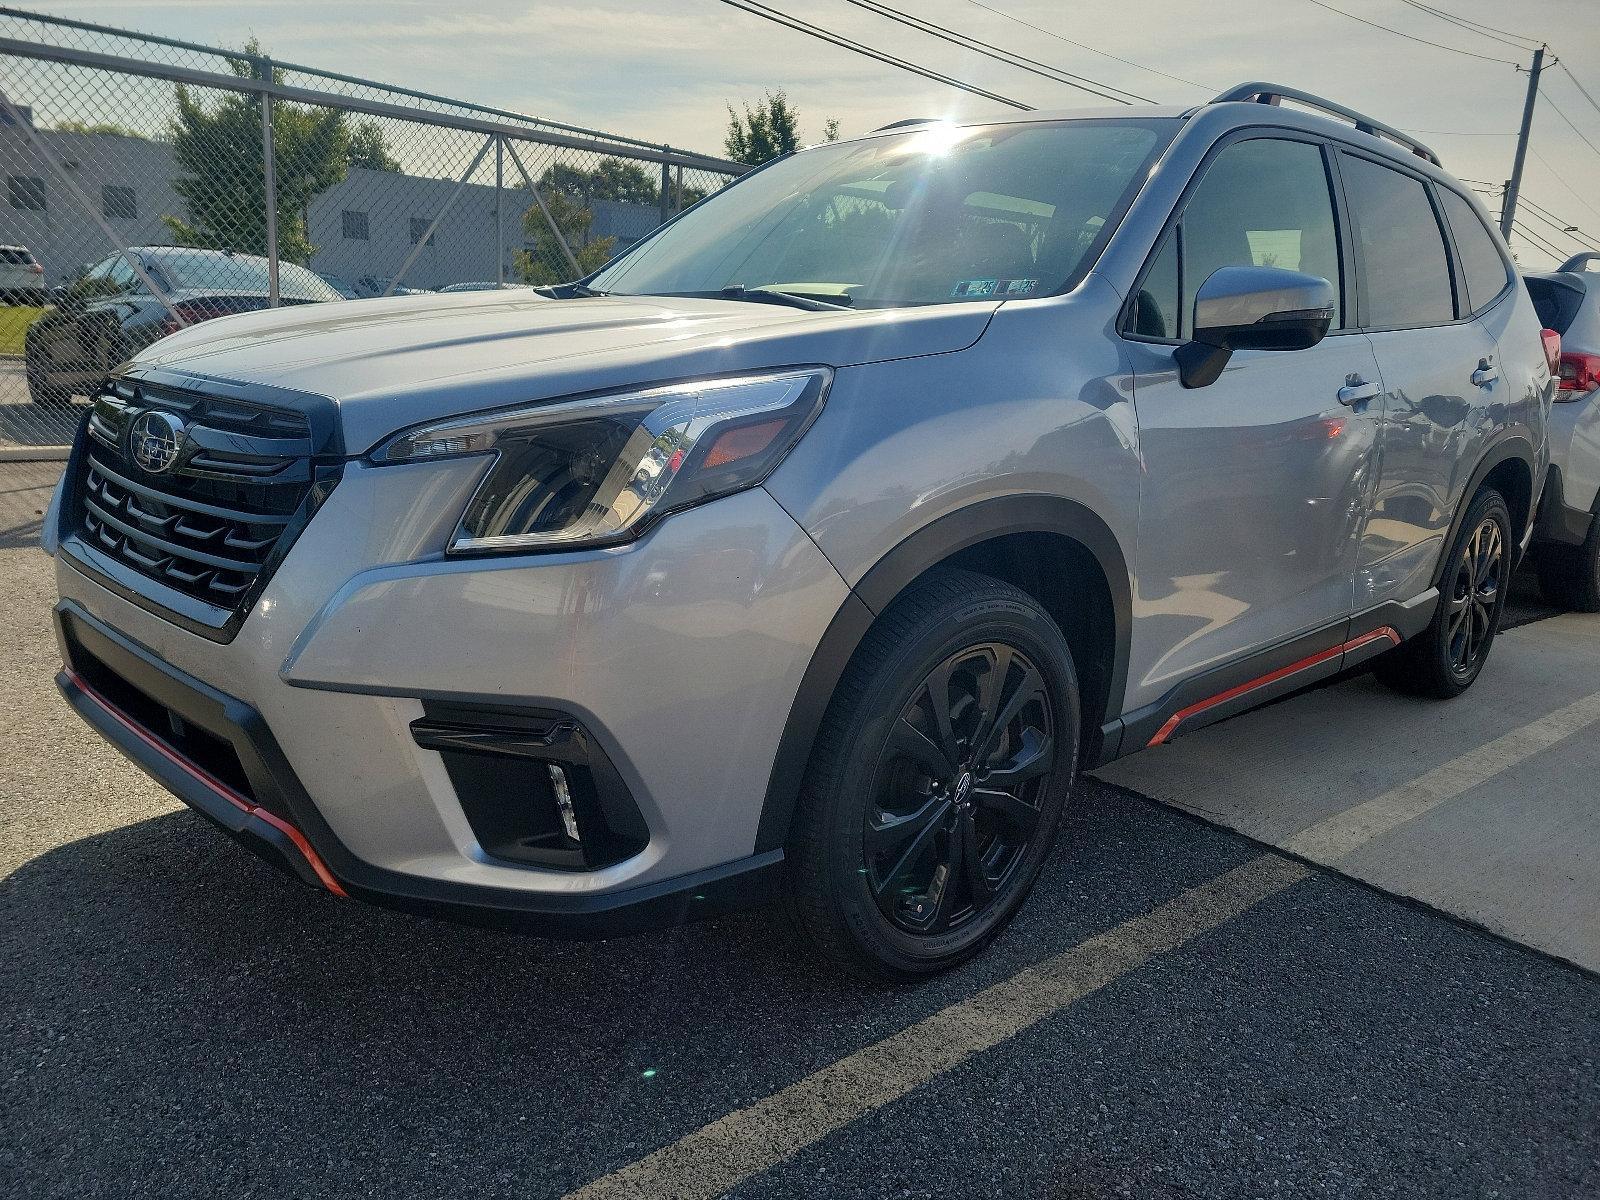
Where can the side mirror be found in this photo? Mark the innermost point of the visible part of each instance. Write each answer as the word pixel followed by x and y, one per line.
pixel 1252 308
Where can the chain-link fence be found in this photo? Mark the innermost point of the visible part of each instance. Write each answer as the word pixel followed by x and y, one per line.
pixel 152 183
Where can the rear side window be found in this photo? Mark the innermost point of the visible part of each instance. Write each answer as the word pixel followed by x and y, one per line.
pixel 15 258
pixel 1264 202
pixel 1485 271
pixel 1405 268
pixel 1556 303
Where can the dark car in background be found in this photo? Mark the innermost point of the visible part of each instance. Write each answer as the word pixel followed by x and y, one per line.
pixel 110 313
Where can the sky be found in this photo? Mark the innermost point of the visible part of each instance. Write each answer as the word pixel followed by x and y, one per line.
pixel 663 70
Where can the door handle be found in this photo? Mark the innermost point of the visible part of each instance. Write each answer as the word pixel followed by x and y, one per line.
pixel 1486 373
pixel 1356 390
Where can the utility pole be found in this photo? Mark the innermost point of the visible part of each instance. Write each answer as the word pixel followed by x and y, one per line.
pixel 1514 185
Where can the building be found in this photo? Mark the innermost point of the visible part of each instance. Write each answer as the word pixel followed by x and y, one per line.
pixel 366 225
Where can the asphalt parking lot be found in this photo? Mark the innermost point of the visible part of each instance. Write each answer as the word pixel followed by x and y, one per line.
pixel 1181 1010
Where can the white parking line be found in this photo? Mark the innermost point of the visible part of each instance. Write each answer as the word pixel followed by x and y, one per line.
pixel 1343 833
pixel 722 1154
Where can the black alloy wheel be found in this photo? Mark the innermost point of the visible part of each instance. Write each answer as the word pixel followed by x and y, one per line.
pixel 958 790
pixel 1445 658
pixel 1474 597
pixel 937 780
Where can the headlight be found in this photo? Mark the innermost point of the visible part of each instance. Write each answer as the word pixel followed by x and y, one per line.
pixel 596 471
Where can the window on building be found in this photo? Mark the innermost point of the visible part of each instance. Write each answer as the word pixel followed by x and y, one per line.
pixel 26 191
pixel 419 228
pixel 119 202
pixel 354 225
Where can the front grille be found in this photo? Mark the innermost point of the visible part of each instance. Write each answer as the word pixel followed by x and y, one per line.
pixel 214 525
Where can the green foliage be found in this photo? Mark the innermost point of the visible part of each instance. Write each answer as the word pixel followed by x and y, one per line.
pixel 547 264
pixel 771 128
pixel 68 125
pixel 370 150
pixel 217 144
pixel 762 133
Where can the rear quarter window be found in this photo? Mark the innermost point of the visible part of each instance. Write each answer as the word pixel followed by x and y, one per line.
pixel 1481 262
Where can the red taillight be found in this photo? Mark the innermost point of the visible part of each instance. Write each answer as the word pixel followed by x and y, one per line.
pixel 1579 372
pixel 1552 349
pixel 35 269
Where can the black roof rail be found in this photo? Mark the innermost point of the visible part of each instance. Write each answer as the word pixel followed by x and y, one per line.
pixel 907 121
pixel 1575 263
pixel 1274 93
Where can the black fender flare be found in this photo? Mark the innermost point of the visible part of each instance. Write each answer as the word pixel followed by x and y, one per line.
pixel 888 577
pixel 1504 448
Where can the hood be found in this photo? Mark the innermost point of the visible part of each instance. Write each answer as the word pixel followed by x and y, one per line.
pixel 392 363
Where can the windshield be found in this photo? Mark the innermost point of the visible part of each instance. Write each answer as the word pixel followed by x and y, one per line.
pixel 935 215
pixel 209 270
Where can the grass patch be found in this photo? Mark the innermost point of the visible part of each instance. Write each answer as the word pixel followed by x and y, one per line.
pixel 14 322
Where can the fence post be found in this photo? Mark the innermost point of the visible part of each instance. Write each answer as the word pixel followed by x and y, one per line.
pixel 269 178
pixel 666 186
pixel 499 211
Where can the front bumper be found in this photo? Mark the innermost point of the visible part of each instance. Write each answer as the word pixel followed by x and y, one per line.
pixel 681 655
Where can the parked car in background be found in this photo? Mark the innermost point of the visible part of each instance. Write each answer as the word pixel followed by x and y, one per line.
pixel 109 313
pixel 339 285
pixel 368 286
pixel 21 277
pixel 1567 540
pixel 809 549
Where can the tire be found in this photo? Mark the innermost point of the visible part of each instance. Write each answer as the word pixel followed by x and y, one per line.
pixel 883 808
pixel 1569 576
pixel 1445 659
pixel 47 395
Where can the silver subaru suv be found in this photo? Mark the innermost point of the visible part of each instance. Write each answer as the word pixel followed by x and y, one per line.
pixel 808 550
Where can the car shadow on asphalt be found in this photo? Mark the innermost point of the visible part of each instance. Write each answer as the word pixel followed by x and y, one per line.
pixel 170 995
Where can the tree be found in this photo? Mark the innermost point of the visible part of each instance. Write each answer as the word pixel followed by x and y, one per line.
pixel 771 128
pixel 68 125
pixel 545 264
pixel 370 150
pixel 611 179
pixel 218 145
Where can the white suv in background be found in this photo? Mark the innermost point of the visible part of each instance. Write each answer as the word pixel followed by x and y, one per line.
pixel 1567 541
pixel 21 277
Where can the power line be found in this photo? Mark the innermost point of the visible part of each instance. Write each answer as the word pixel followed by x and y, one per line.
pixel 1205 87
pixel 1413 37
pixel 1488 31
pixel 1592 101
pixel 1033 66
pixel 1556 226
pixel 1564 183
pixel 1566 226
pixel 1533 239
pixel 756 9
pixel 1545 96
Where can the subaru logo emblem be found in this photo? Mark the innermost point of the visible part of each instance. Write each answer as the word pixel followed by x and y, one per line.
pixel 155 440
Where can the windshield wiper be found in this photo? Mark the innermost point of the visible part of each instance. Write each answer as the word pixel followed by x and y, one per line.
pixel 764 295
pixel 768 295
pixel 569 291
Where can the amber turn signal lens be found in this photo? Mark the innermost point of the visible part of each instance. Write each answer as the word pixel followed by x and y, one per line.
pixel 742 442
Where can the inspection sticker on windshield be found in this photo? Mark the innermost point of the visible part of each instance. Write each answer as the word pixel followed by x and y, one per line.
pixel 985 289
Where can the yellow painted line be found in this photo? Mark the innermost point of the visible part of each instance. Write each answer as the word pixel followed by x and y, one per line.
pixel 748 1141
pixel 1344 833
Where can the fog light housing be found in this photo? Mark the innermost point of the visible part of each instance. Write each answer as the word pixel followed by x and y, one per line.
pixel 534 786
